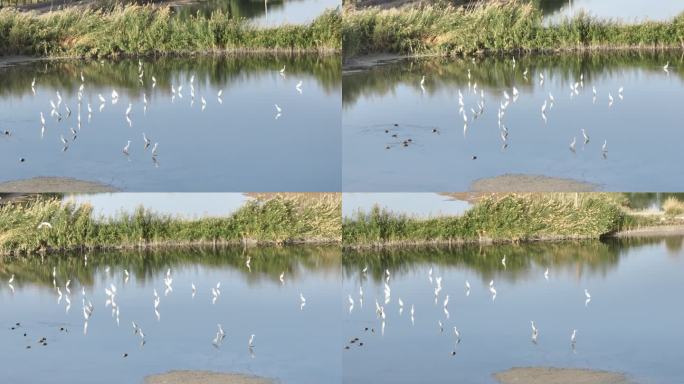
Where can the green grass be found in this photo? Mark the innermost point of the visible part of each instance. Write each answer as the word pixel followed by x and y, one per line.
pixel 147 30
pixel 513 27
pixel 280 219
pixel 497 218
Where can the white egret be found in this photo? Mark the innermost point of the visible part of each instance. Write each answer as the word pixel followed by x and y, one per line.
pixel 573 337
pixel 251 341
pixel 154 150
pixel 125 149
pixel 282 70
pixel 11 280
pixel 492 290
pixel 503 261
pixel 102 99
pixel 573 143
pixel 146 140
pixel 422 81
pixel 129 109
pixel 546 274
pixel 458 335
pixel 42 225
pixel 299 87
pixel 604 147
pixel 42 119
pixel 586 137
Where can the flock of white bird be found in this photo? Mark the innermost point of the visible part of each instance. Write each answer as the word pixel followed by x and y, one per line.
pixel 508 99
pixel 59 110
pixel 436 282
pixel 111 302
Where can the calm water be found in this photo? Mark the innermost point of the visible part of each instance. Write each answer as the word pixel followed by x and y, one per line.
pixel 625 10
pixel 183 205
pixel 292 345
pixel 235 144
pixel 414 204
pixel 639 128
pixel 632 324
pixel 264 13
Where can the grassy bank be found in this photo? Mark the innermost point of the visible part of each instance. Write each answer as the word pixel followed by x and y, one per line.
pixel 279 219
pixel 148 30
pixel 498 218
pixel 513 27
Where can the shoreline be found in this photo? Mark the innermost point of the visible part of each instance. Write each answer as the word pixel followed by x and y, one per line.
pixel 9 59
pixel 642 232
pixel 166 245
pixel 370 60
pixel 204 377
pixel 552 375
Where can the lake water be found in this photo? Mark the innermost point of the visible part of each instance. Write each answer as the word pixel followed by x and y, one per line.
pixel 638 128
pixel 236 143
pixel 292 344
pixel 264 13
pixel 181 205
pixel 413 204
pixel 624 10
pixel 632 323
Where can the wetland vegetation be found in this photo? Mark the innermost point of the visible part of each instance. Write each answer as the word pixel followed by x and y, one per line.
pixel 505 218
pixel 512 27
pixel 44 223
pixel 146 30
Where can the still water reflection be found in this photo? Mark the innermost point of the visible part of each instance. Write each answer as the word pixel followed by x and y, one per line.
pixel 292 344
pixel 631 324
pixel 235 141
pixel 399 136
